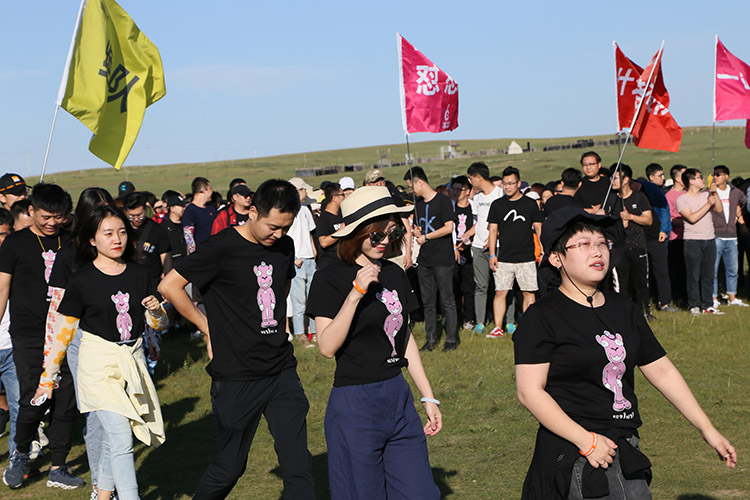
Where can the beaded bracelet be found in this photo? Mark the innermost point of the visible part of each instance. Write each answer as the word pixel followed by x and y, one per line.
pixel 593 447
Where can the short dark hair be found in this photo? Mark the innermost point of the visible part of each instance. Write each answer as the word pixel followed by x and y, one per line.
pixel 495 178
pixel 6 218
pixel 625 169
pixel 479 168
pixel 571 177
pixel 198 184
pixel 50 198
pixel 674 171
pixel 688 175
pixel 572 230
pixel 512 171
pixel 591 153
pixel 134 200
pixel 416 173
pixel 461 180
pixel 276 193
pixel 331 189
pixel 20 207
pixel 87 227
pixel 721 169
pixel 653 168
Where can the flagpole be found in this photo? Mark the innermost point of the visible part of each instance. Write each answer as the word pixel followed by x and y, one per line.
pixel 646 95
pixel 63 85
pixel 713 128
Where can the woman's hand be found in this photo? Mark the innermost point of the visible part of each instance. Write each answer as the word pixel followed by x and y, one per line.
pixel 721 444
pixel 42 394
pixel 604 453
pixel 434 419
pixel 368 274
pixel 151 303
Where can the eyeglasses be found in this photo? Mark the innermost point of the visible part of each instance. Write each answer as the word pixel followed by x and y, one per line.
pixel 136 217
pixel 588 246
pixel 510 184
pixel 394 234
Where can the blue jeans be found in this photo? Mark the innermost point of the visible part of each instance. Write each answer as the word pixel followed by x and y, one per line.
pixel 12 392
pixel 299 291
pixel 117 466
pixel 726 249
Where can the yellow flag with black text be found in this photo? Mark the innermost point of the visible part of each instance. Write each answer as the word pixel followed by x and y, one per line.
pixel 115 73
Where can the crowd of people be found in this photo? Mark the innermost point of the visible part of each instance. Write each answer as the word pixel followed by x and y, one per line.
pixel 482 254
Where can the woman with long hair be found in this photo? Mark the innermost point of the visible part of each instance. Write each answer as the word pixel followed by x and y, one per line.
pixel 111 298
pixel 361 304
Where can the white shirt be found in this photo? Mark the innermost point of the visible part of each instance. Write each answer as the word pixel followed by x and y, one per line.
pixel 481 207
pixel 300 231
pixel 5 342
pixel 724 197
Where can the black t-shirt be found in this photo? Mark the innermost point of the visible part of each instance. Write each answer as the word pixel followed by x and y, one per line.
pixel 464 222
pixel 560 201
pixel 375 345
pixel 636 204
pixel 326 225
pixel 62 270
pixel 587 349
pixel 176 236
pixel 151 241
pixel 515 228
pixel 243 285
pixel 109 306
pixel 592 193
pixel 431 216
pixel 29 258
pixel 201 218
pixel 241 218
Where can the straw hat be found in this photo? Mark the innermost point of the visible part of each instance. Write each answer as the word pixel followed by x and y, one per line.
pixel 364 204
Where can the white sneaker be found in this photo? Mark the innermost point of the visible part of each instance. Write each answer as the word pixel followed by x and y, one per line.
pixel 737 302
pixel 716 304
pixel 695 311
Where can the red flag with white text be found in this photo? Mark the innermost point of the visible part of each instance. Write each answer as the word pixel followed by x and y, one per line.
pixel 654 127
pixel 429 96
pixel 731 88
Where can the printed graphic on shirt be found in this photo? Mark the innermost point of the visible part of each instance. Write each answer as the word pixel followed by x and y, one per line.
pixel 613 372
pixel 266 297
pixel 394 321
pixel 49 262
pixel 515 215
pixel 461 226
pixel 124 321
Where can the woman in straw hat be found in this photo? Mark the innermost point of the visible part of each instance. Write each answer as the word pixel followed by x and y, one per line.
pixel 376 442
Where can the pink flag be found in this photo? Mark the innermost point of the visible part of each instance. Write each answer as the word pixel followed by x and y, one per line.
pixel 429 96
pixel 731 87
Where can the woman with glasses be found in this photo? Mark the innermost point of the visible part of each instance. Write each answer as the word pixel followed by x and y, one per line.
pixel 361 304
pixel 576 351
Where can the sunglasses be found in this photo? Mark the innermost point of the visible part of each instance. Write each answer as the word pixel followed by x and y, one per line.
pixel 377 237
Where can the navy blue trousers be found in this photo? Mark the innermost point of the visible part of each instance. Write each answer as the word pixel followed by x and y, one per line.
pixel 376 444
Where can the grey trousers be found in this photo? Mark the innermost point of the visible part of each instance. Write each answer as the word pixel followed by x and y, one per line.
pixel 481 260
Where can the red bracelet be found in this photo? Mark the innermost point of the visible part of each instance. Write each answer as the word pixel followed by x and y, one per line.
pixel 359 288
pixel 593 447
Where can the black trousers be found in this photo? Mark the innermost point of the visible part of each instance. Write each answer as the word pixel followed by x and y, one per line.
pixel 658 269
pixel 237 408
pixel 463 287
pixel 431 281
pixel 28 356
pixel 632 271
pixel 700 259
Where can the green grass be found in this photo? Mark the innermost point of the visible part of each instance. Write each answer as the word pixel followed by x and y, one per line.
pixel 486 444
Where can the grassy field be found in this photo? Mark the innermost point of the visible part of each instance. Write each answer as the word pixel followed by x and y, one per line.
pixel 486 444
pixel 535 166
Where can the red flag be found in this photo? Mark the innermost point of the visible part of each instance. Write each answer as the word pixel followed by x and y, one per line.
pixel 429 96
pixel 654 127
pixel 627 74
pixel 731 88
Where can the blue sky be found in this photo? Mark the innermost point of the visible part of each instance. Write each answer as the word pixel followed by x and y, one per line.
pixel 252 79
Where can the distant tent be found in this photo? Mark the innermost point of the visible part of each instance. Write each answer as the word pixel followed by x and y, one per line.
pixel 514 149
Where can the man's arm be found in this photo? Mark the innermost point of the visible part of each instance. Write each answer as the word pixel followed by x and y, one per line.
pixel 492 242
pixel 693 217
pixel 326 241
pixel 172 288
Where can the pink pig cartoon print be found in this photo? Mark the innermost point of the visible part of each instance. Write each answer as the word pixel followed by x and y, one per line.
pixel 612 374
pixel 461 226
pixel 124 321
pixel 266 297
pixel 49 261
pixel 394 321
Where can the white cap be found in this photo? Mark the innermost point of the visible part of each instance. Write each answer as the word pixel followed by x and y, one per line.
pixel 347 183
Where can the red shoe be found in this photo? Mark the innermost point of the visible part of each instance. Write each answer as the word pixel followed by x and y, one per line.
pixel 496 333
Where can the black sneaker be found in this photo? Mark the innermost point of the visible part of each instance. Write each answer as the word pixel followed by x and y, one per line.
pixel 17 468
pixel 449 346
pixel 427 347
pixel 62 478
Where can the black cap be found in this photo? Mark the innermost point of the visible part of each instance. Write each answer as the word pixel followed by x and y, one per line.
pixel 12 184
pixel 559 220
pixel 176 200
pixel 241 189
pixel 125 187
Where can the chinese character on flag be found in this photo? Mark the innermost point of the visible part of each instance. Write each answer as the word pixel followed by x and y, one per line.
pixel 731 88
pixel 654 127
pixel 429 96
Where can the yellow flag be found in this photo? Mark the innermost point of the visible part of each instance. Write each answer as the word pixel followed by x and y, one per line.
pixel 115 73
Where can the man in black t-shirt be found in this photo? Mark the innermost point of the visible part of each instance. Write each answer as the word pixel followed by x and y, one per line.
pixel 513 220
pixel 244 274
pixel 594 185
pixel 433 228
pixel 26 260
pixel 571 181
pixel 463 267
pixel 152 242
pixel 636 213
pixel 329 222
pixel 172 223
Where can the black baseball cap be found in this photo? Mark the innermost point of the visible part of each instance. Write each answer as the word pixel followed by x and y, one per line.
pixel 176 200
pixel 240 189
pixel 12 184
pixel 125 187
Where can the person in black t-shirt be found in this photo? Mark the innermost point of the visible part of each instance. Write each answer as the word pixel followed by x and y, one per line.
pixel 433 227
pixel 594 185
pixel 571 181
pixel 172 223
pixel 199 214
pixel 152 242
pixel 329 222
pixel 361 310
pixel 576 350
pixel 463 267
pixel 244 274
pixel 26 260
